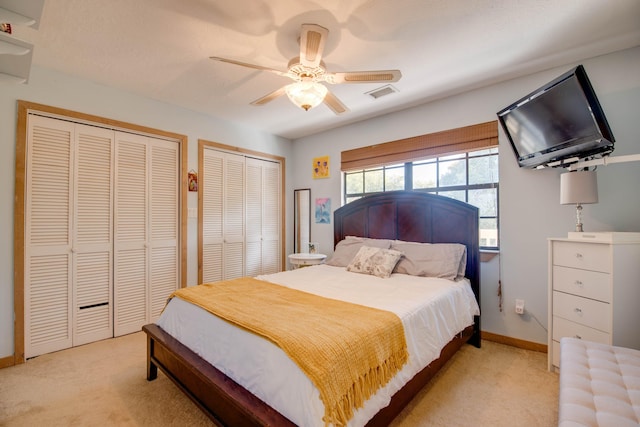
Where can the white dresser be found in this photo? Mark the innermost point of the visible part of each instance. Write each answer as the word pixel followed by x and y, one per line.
pixel 594 290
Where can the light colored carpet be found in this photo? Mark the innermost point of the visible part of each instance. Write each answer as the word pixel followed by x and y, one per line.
pixel 104 384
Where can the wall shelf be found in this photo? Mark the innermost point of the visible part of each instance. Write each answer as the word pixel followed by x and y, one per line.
pixel 21 12
pixel 16 54
pixel 15 18
pixel 15 59
pixel 12 46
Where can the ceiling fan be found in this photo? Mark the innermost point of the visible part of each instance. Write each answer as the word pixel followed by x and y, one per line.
pixel 308 71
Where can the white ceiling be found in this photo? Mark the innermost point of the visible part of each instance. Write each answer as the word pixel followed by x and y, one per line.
pixel 161 48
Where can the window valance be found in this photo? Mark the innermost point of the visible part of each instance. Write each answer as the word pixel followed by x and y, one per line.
pixel 468 138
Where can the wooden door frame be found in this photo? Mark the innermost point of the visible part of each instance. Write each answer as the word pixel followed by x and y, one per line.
pixel 24 109
pixel 204 144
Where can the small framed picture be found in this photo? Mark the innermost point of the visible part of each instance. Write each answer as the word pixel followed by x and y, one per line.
pixel 193 180
pixel 313 248
pixel 323 210
pixel 320 167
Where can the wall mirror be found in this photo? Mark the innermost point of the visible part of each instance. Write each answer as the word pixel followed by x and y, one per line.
pixel 301 219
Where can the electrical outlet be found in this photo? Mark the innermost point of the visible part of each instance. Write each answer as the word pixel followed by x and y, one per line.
pixel 520 306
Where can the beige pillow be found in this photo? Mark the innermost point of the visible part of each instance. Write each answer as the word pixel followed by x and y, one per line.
pixel 445 260
pixel 375 261
pixel 347 248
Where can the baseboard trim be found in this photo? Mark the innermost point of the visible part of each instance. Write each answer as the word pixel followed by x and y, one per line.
pixel 514 342
pixel 5 362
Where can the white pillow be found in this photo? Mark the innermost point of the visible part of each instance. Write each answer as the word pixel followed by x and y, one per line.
pixel 347 248
pixel 445 260
pixel 375 261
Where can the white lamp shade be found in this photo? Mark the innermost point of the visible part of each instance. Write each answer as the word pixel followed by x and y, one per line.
pixel 580 187
pixel 306 95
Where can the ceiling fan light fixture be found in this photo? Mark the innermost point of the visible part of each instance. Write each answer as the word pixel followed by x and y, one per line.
pixel 306 95
pixel 308 71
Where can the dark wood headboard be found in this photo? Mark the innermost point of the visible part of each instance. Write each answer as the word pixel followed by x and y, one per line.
pixel 415 216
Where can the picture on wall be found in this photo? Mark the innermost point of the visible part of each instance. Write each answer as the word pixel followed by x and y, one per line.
pixel 321 167
pixel 193 180
pixel 323 210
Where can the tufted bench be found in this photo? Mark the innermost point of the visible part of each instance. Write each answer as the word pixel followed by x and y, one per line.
pixel 599 385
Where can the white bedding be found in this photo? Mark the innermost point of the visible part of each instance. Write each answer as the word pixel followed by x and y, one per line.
pixel 432 310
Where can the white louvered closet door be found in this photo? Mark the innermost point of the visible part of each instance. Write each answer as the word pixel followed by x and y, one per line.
pixel 211 179
pixel 131 234
pixel 146 268
pixel 223 194
pixel 254 217
pixel 164 225
pixel 48 224
pixel 262 217
pixel 234 194
pixel 68 251
pixel 92 243
pixel 272 218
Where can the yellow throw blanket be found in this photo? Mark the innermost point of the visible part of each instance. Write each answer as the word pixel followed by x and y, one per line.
pixel 348 351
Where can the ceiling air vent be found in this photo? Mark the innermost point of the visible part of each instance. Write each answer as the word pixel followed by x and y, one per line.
pixel 382 91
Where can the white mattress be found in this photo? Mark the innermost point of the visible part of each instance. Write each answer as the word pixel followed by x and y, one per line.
pixel 432 310
pixel 599 385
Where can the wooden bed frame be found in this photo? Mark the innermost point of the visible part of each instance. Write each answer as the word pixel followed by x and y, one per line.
pixel 401 215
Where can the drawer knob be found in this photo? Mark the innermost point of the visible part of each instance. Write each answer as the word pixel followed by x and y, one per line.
pixel 577 310
pixel 578 337
pixel 579 255
pixel 578 283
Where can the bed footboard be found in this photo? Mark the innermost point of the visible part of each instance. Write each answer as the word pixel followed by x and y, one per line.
pixel 229 404
pixel 222 399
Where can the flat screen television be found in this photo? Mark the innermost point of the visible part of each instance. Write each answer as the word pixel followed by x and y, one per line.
pixel 561 120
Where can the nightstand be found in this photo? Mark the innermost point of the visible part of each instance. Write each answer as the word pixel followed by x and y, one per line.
pixel 594 290
pixel 306 259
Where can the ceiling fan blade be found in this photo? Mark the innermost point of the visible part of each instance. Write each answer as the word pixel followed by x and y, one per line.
pixel 380 76
pixel 244 64
pixel 270 97
pixel 312 40
pixel 334 103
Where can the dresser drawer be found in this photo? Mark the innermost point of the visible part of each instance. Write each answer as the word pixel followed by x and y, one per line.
pixel 595 314
pixel 585 283
pixel 565 328
pixel 588 256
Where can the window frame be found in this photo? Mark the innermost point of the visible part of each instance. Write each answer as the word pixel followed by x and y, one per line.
pixel 437 189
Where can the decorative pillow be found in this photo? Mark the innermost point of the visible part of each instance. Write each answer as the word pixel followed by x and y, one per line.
pixel 347 248
pixel 375 261
pixel 445 260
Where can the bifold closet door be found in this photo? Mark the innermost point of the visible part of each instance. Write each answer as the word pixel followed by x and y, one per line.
pixel 93 235
pixel 262 217
pixel 222 183
pixel 146 229
pixel 68 242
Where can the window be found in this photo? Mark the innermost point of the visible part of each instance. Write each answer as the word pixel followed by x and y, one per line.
pixel 459 163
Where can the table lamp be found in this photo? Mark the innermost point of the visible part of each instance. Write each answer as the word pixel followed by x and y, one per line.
pixel 578 188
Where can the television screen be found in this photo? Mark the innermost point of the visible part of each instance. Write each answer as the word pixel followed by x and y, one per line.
pixel 560 120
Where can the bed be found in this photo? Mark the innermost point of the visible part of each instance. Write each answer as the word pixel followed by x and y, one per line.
pixel 599 384
pixel 399 216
